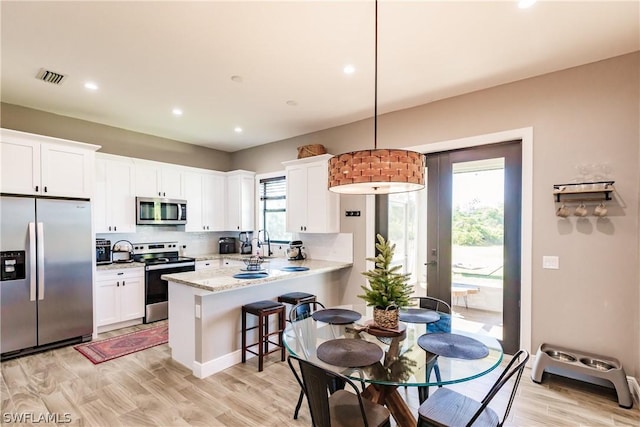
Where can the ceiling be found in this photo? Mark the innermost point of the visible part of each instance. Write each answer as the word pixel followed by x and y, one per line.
pixel 148 57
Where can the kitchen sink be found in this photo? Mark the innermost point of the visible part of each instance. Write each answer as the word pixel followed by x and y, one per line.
pixel 251 275
pixel 294 268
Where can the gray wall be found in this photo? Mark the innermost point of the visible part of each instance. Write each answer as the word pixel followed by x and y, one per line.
pixel 588 114
pixel 113 140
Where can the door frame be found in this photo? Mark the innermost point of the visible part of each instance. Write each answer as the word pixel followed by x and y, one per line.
pixel 526 136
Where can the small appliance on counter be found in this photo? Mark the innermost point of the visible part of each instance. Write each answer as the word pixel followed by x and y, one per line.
pixel 295 252
pixel 103 251
pixel 227 245
pixel 245 242
pixel 122 251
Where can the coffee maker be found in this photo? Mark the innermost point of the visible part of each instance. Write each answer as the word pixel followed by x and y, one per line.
pixel 245 242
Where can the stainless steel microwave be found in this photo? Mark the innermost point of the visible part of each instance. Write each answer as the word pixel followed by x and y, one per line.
pixel 158 211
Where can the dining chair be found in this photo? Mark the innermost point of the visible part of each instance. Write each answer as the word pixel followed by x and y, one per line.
pixel 336 408
pixel 297 313
pixel 450 408
pixel 442 325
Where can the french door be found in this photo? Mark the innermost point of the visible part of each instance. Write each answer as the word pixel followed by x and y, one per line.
pixel 473 237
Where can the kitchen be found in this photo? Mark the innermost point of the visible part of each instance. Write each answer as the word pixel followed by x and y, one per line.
pixel 565 109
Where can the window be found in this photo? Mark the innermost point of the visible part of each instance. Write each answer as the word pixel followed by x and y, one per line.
pixel 273 208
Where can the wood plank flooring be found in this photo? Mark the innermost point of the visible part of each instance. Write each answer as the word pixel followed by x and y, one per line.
pixel 149 389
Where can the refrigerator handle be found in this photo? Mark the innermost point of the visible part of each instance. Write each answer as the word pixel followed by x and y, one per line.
pixel 40 250
pixel 32 261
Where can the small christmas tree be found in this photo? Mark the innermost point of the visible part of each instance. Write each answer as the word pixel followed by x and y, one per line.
pixel 387 287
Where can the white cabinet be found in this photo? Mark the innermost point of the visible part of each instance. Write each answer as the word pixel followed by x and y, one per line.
pixel 240 200
pixel 40 165
pixel 119 295
pixel 205 194
pixel 114 207
pixel 311 207
pixel 155 179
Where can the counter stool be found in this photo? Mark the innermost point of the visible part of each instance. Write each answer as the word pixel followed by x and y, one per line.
pixel 263 309
pixel 295 298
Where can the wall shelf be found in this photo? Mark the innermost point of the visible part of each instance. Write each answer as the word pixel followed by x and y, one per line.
pixel 600 190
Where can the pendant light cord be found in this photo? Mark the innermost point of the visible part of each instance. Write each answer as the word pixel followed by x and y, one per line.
pixel 375 91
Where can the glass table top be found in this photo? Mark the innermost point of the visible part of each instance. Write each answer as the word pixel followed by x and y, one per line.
pixel 403 361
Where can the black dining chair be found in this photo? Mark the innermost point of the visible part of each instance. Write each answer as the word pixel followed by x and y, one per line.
pixel 450 408
pixel 336 408
pixel 297 313
pixel 442 325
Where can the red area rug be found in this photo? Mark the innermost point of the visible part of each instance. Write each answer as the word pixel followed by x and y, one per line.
pixel 114 347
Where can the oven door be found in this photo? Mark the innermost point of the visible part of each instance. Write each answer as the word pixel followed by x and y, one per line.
pixel 157 290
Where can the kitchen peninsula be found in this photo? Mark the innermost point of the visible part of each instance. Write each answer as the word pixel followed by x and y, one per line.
pixel 205 306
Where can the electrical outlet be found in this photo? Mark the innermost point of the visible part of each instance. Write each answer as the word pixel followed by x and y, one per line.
pixel 352 213
pixel 551 262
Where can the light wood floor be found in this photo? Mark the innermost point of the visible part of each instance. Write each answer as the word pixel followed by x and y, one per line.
pixel 149 388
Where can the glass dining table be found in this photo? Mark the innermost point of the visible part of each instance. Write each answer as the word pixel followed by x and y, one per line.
pixel 346 341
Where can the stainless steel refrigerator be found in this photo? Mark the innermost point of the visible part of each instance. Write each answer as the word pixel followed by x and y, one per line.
pixel 46 270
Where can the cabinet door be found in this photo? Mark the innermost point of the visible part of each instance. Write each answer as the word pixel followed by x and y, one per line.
pixel 247 204
pixel 147 180
pixel 296 198
pixel 121 201
pixel 193 183
pixel 99 202
pixel 131 297
pixel 233 203
pixel 322 212
pixel 213 201
pixel 20 167
pixel 171 182
pixel 107 301
pixel 66 171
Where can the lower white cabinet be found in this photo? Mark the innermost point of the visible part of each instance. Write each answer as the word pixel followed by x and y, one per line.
pixel 119 295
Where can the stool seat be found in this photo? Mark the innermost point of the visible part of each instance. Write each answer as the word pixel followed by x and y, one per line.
pixel 257 306
pixel 294 298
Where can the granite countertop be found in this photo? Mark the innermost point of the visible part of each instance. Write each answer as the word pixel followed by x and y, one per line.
pixel 221 280
pixel 119 266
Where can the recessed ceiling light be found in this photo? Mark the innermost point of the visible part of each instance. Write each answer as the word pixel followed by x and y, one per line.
pixel 236 78
pixel 91 86
pixel 349 69
pixel 525 4
pixel 176 112
pixel 292 103
pixel 238 129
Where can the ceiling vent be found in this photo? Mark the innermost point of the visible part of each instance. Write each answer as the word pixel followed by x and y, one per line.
pixel 50 76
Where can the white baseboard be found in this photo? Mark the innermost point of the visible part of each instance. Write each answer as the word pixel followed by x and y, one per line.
pixel 635 390
pixel 203 370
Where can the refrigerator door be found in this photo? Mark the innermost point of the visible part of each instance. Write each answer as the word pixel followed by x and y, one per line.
pixel 65 302
pixel 18 313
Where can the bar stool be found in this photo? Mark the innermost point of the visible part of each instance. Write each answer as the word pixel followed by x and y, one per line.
pixel 295 298
pixel 263 309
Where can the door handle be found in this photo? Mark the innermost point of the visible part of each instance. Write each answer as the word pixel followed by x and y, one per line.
pixel 32 261
pixel 431 263
pixel 40 251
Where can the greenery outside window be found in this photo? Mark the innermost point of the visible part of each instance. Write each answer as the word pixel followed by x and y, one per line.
pixel 273 208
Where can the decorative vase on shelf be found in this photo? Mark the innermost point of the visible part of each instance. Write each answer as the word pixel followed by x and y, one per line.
pixel 388 290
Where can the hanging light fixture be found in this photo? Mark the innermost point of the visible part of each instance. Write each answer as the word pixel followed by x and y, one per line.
pixel 377 171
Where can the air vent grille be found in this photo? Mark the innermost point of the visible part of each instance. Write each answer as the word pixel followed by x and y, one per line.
pixel 50 76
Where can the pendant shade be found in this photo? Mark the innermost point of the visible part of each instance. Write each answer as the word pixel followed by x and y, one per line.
pixel 377 171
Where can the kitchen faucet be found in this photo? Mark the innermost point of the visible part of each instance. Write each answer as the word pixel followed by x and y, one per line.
pixel 267 240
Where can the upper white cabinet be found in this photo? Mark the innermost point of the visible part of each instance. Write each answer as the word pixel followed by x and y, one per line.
pixel 205 193
pixel 240 200
pixel 114 202
pixel 154 179
pixel 311 207
pixel 40 165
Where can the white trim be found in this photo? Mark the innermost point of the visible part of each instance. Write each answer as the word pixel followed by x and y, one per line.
pixel 203 370
pixel 526 136
pixel 635 390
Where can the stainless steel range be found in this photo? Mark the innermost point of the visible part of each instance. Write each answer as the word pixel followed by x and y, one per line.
pixel 159 258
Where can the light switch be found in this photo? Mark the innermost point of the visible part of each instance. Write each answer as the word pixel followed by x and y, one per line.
pixel 198 312
pixel 551 262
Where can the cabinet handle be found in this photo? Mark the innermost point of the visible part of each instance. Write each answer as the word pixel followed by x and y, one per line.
pixel 109 228
pixel 45 188
pixel 117 284
pixel 159 193
pixel 37 187
pixel 120 274
pixel 164 194
pixel 203 227
pixel 123 283
pixel 115 228
pixel 207 227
